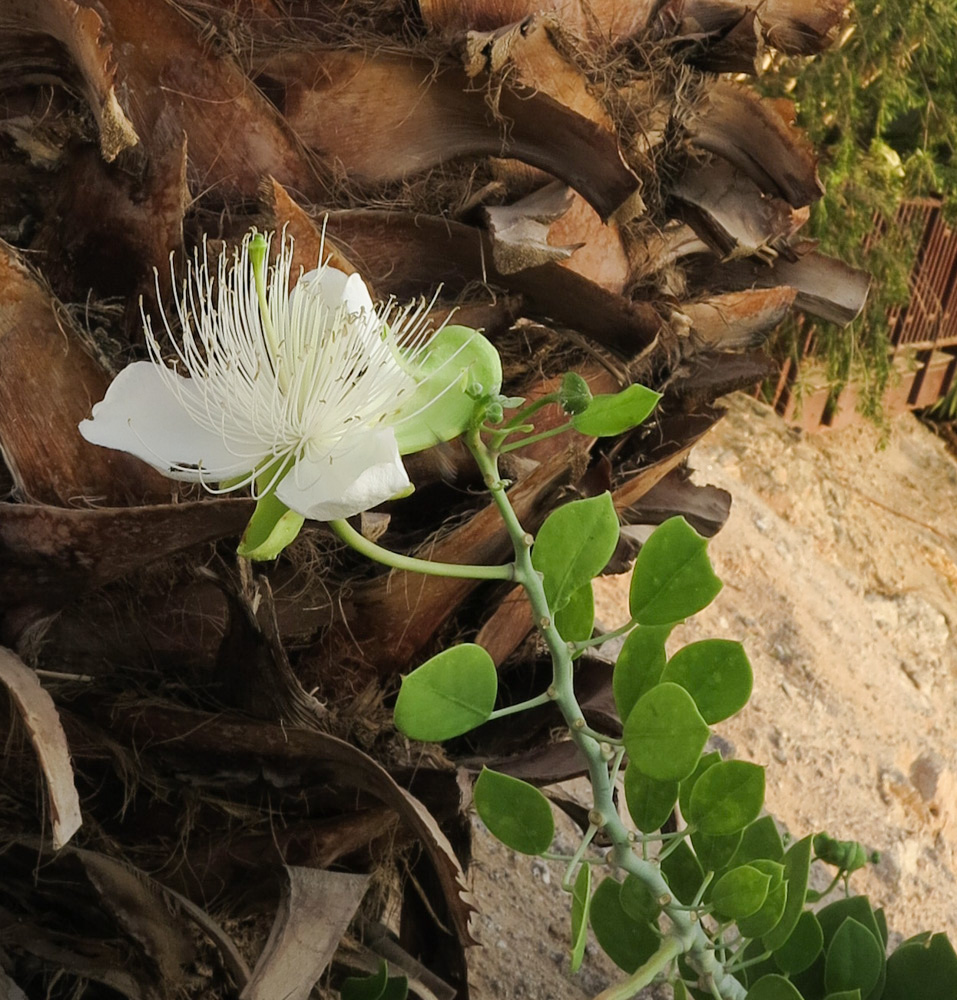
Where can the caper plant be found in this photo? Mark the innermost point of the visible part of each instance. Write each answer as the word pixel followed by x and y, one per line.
pixel 304 392
pixel 718 907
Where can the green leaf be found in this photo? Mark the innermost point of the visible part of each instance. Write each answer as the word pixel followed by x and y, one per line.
pixel 687 785
pixel 773 987
pixel 649 801
pixel 854 959
pixel 576 620
pixel 514 811
pixel 740 892
pixel 802 946
pixel 272 527
pixel 922 971
pixel 880 919
pixel 716 673
pixel 397 988
pixel 628 943
pixel 574 546
pixel 638 901
pixel 581 904
pixel 680 990
pixel 727 797
pixel 844 995
pixel 773 868
pixel 797 865
pixel 454 360
pixel 760 840
pixel 366 987
pixel 639 665
pixel 614 414
pixel 715 853
pixel 448 695
pixel 858 908
pixel 664 733
pixel 758 924
pixel 683 873
pixel 672 578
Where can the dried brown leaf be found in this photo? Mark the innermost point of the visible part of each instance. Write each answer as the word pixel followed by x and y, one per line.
pixel 47 385
pixel 138 905
pixel 315 909
pixel 42 722
pixel 737 125
pixel 738 321
pixel 47 554
pixel 435 113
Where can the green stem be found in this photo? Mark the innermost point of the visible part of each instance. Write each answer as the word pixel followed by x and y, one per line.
pixel 686 934
pixel 532 438
pixel 375 552
pixel 521 706
pixel 600 640
pixel 523 414
pixel 577 856
pixel 669 949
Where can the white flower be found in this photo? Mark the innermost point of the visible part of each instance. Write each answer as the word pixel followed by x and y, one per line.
pixel 299 393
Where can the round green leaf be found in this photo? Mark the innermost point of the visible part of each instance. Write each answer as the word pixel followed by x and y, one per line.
pixel 797 864
pixel 664 733
pixel 740 892
pixel 922 971
pixel 606 416
pixel 514 811
pixel 366 987
pixel 716 673
pixel 854 959
pixel 649 801
pixel 628 943
pixel 639 666
pixel 574 545
pixel 638 901
pixel 687 785
pixel 448 695
pixel 726 797
pixel 844 995
pixel 715 853
pixel 773 987
pixel 802 946
pixel 683 873
pixel 576 621
pixel 760 839
pixel 672 578
pixel 774 869
pixel 440 409
pixel 581 904
pixel 770 913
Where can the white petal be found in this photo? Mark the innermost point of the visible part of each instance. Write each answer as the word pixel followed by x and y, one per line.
pixel 142 415
pixel 363 474
pixel 334 288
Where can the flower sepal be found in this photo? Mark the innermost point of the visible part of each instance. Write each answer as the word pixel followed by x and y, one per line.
pixel 272 527
pixel 456 360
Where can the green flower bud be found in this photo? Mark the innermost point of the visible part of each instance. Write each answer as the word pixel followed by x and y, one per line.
pixel 574 394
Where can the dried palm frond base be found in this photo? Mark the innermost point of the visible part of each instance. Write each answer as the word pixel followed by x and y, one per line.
pixel 224 805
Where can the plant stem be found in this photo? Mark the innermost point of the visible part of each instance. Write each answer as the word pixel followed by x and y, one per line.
pixel 532 438
pixel 687 936
pixel 599 640
pixel 521 706
pixel 378 554
pixel 669 950
pixel 577 856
